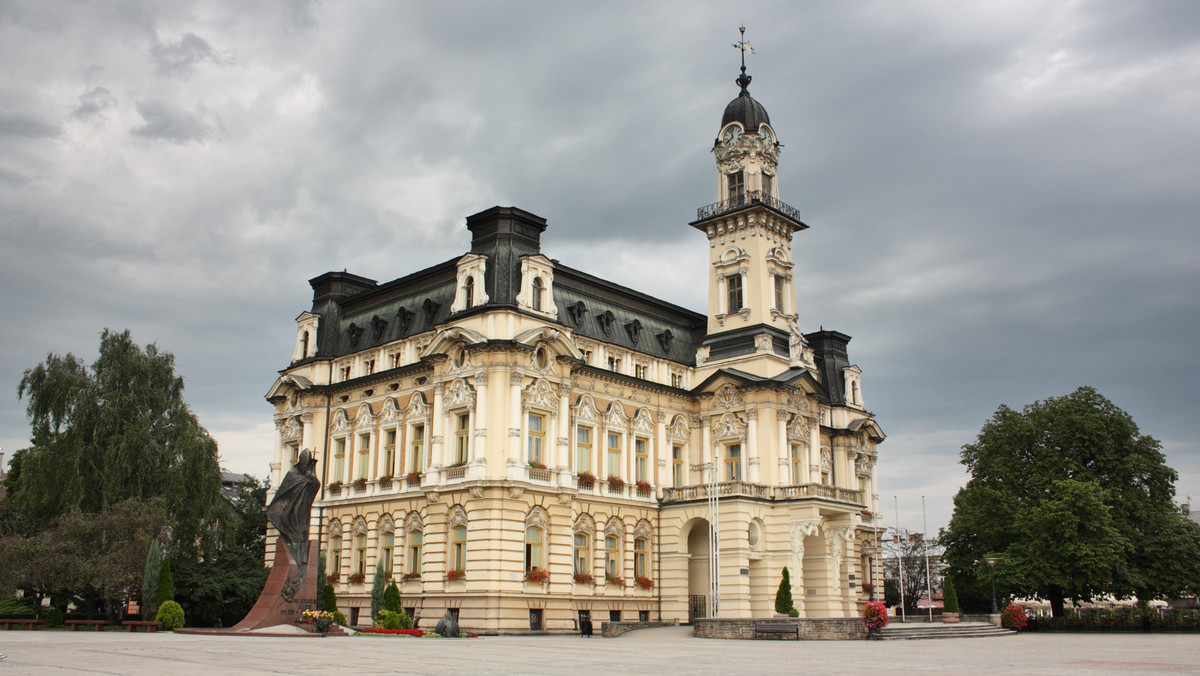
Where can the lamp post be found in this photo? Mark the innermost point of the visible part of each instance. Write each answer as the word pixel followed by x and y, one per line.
pixel 991 561
pixel 869 551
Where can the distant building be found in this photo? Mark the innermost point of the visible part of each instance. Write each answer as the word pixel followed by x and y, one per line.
pixel 528 444
pixel 230 481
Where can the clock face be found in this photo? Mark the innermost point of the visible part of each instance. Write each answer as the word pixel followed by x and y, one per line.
pixel 765 134
pixel 732 135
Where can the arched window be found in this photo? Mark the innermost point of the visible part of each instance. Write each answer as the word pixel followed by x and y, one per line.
pixel 389 546
pixel 533 547
pixel 414 551
pixel 583 564
pixel 639 556
pixel 536 300
pixel 735 293
pixel 612 556
pixel 304 345
pixel 469 292
pixel 459 554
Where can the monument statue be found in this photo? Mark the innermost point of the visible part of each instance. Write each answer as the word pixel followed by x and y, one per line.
pixel 290 512
pixel 447 627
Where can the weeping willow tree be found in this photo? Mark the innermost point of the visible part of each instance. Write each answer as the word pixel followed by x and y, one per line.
pixel 115 431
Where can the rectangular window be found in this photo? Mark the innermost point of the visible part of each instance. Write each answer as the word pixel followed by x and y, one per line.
pixel 677 466
pixel 294 453
pixel 462 438
pixel 640 370
pixel 614 364
pixel 639 557
pixel 778 292
pixel 395 360
pixel 583 449
pixel 537 437
pixel 360 554
pixel 676 380
pixel 614 454
pixel 735 293
pixel 389 453
pixel 581 554
pixel 795 462
pixel 364 454
pixel 733 462
pixel 335 555
pixel 533 547
pixel 389 544
pixel 611 556
pixel 414 551
pixel 345 372
pixel 640 460
pixel 766 184
pixel 370 366
pixel 737 185
pixel 339 460
pixel 418 446
pixel 460 548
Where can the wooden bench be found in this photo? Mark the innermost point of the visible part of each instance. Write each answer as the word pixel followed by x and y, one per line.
pixel 150 626
pixel 96 625
pixel 776 629
pixel 32 624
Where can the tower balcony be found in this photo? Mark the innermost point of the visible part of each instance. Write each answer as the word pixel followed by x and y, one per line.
pixel 749 199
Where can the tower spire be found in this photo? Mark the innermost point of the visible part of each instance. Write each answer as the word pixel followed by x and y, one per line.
pixel 743 80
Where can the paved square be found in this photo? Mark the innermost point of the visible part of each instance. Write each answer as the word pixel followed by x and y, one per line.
pixel 652 651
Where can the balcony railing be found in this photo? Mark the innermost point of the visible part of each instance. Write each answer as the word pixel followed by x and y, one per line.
pixel 538 474
pixel 746 489
pixel 745 200
pixel 456 473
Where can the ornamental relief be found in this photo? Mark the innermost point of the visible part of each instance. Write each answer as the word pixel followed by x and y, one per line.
pixel 826 459
pixel 614 527
pixel 584 524
pixel 678 431
pixel 413 522
pixel 585 409
pixel 390 413
pixel 386 525
pixel 728 397
pixel 616 416
pixel 864 464
pixel 359 527
pixel 642 529
pixel 537 518
pixel 364 417
pixel 335 529
pixel 797 429
pixel 459 394
pixel 340 423
pixel 729 427
pixel 417 408
pixel 642 421
pixel 457 517
pixel 540 394
pixel 291 429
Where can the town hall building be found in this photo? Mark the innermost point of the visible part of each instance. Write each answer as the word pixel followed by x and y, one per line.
pixel 526 444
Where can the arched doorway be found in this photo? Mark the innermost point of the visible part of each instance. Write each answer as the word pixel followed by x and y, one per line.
pixel 697 532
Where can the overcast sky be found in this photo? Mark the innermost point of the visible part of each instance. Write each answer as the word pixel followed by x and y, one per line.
pixel 1003 197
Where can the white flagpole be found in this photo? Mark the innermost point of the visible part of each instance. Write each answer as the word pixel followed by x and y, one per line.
pixel 900 558
pixel 925 546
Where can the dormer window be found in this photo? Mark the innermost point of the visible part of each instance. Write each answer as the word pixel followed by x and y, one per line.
pixel 469 291
pixel 471 268
pixel 304 345
pixel 538 289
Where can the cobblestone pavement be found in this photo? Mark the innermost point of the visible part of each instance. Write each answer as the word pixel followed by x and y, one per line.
pixel 651 651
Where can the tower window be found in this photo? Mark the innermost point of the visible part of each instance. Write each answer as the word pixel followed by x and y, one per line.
pixel 737 185
pixel 469 292
pixel 735 293
pixel 778 293
pixel 733 462
pixel 766 184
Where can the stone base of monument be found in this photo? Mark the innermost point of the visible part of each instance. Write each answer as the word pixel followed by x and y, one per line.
pixel 271 609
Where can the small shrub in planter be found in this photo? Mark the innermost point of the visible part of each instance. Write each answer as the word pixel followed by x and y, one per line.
pixel 792 612
pixel 1013 617
pixel 340 618
pixel 644 582
pixel 875 615
pixel 170 614
pixel 585 578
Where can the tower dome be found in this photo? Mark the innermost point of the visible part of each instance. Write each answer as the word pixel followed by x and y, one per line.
pixel 745 109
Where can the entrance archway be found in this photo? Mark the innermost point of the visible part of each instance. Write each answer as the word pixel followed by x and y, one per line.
pixel 697 531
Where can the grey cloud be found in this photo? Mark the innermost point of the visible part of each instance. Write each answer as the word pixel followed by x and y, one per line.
pixel 170 123
pixel 182 57
pixel 26 126
pixel 93 102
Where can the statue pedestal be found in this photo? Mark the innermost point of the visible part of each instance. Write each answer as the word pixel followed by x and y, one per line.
pixel 271 609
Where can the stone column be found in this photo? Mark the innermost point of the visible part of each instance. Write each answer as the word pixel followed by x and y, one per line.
pixel 479 419
pixel 707 452
pixel 563 447
pixel 437 427
pixel 662 450
pixel 785 450
pixel 752 444
pixel 514 419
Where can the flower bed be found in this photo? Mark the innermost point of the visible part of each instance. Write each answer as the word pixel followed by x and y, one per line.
pixel 415 633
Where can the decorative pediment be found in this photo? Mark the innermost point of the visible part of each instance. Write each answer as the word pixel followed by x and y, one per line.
pixel 863 464
pixel 359 527
pixel 390 413
pixel 728 397
pixel 291 430
pixel 642 529
pixel 729 427
pixel 797 400
pixel 417 408
pixel 642 421
pixel 797 429
pixel 340 423
pixel 826 459
pixel 364 417
pixel 615 416
pixel 584 523
pixel 386 525
pixel 413 522
pixel 678 431
pixel 335 529
pixel 614 527
pixel 537 518
pixel 457 517
pixel 585 409
pixel 459 394
pixel 540 394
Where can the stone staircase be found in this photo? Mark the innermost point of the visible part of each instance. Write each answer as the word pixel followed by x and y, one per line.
pixel 913 630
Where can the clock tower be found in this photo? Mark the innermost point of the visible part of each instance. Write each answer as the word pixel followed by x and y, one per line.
pixel 752 313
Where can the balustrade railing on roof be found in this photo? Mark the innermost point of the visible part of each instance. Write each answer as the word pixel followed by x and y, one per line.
pixel 746 489
pixel 747 199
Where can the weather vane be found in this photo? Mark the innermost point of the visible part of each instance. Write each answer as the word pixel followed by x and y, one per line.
pixel 743 46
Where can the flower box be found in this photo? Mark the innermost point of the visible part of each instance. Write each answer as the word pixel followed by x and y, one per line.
pixel 643 486
pixel 453 575
pixel 644 582
pixel 585 578
pixel 333 578
pixel 537 575
pixel 357 578
pixel 586 480
pixel 536 465
pixel 409 577
pixel 615 482
pixel 613 579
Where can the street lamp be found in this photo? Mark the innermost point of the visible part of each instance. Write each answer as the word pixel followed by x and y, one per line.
pixel 870 551
pixel 991 561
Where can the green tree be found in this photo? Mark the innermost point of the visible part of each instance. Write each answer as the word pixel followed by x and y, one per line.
pixel 377 588
pixel 115 431
pixel 150 580
pixel 166 585
pixel 392 600
pixel 1073 501
pixel 949 598
pixel 783 596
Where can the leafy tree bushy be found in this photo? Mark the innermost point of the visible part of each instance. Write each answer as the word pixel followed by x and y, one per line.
pixel 783 596
pixel 388 619
pixel 949 598
pixel 150 580
pixel 171 615
pixel 328 598
pixel 378 586
pixel 166 585
pixel 392 600
pixel 1073 501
